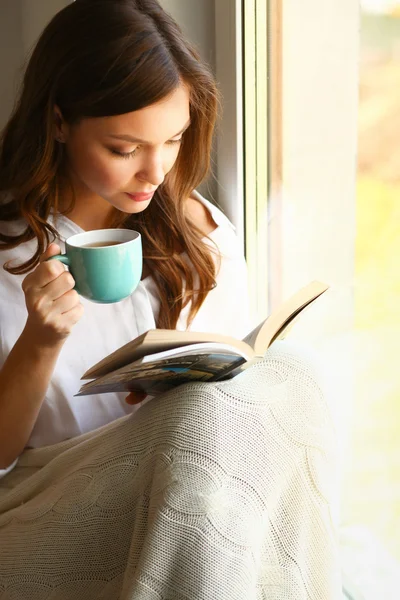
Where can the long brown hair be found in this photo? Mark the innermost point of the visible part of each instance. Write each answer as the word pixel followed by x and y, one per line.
pixel 100 58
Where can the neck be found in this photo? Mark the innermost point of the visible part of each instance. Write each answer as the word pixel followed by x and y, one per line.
pixel 88 210
pixel 90 213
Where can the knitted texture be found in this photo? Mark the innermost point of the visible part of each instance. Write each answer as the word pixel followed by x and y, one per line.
pixel 210 491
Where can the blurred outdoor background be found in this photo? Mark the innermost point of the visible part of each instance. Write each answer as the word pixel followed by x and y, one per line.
pixel 372 489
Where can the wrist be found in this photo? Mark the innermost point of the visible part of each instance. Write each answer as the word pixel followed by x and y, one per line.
pixel 39 344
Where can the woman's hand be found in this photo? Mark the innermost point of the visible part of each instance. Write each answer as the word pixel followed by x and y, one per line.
pixel 135 397
pixel 52 303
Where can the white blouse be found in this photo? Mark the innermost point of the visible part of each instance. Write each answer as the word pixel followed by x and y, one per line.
pixel 104 328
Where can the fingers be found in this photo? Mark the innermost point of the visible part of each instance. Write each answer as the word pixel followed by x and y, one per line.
pixel 75 314
pixel 59 286
pixel 52 303
pixel 52 250
pixel 49 271
pixel 66 302
pixel 51 291
pixel 135 397
pixel 44 274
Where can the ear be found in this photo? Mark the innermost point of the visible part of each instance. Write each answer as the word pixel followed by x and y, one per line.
pixel 59 126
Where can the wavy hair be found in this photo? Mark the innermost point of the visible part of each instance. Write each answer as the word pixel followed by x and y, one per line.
pixel 99 58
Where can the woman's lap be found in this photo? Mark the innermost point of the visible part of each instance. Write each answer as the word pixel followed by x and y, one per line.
pixel 207 491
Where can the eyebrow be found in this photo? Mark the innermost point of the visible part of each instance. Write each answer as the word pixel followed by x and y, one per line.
pixel 129 138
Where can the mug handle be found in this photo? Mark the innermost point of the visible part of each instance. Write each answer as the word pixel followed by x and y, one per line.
pixel 61 257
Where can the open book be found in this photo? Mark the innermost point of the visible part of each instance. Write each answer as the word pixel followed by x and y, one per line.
pixel 161 359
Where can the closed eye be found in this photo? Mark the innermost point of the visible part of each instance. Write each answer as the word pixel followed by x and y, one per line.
pixel 124 154
pixel 134 152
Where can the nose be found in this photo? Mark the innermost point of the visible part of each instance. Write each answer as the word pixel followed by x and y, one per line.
pixel 152 170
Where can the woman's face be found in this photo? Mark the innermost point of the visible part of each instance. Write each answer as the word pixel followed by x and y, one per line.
pixel 118 157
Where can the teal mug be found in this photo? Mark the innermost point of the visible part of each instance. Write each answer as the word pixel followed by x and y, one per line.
pixel 106 264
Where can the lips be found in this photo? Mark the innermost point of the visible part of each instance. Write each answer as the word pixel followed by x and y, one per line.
pixel 140 197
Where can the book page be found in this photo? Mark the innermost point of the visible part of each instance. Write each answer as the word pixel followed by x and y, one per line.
pixel 269 330
pixel 158 373
pixel 158 340
pixel 284 316
pixel 250 339
pixel 255 344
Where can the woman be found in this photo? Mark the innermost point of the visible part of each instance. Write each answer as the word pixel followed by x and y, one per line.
pixel 113 128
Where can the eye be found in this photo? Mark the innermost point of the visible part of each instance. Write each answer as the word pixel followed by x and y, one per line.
pixel 134 152
pixel 172 142
pixel 124 154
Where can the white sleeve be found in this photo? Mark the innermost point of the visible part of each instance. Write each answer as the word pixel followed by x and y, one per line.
pixel 10 313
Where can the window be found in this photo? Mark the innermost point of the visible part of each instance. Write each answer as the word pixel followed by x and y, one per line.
pixel 311 142
pixel 262 41
pixel 312 211
pixel 256 165
pixel 371 498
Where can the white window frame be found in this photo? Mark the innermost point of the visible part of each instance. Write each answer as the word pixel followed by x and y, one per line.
pixel 245 179
pixel 229 72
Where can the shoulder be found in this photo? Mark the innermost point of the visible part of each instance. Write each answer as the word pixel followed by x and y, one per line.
pixel 207 216
pixel 200 215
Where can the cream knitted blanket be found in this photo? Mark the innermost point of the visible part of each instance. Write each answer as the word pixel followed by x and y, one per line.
pixel 210 492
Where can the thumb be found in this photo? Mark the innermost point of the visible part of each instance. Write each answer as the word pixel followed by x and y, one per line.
pixel 52 250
